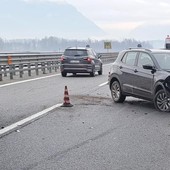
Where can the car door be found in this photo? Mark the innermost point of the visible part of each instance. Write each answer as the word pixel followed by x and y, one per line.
pixel 127 67
pixel 143 79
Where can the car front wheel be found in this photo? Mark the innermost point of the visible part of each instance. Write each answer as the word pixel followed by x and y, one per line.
pixel 161 101
pixel 116 92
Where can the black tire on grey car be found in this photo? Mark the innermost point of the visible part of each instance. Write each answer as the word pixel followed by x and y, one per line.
pixel 64 74
pixel 161 101
pixel 100 71
pixel 92 74
pixel 116 93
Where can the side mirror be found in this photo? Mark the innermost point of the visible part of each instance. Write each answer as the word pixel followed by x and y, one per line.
pixel 149 67
pixel 99 55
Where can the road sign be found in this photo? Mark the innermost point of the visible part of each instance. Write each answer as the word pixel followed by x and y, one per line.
pixel 107 45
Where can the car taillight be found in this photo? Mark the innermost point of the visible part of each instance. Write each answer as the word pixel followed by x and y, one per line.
pixel 89 59
pixel 62 58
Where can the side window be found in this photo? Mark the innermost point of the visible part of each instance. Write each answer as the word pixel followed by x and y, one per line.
pixel 129 58
pixel 144 58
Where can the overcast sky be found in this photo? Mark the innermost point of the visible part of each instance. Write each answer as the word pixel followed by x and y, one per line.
pixel 120 17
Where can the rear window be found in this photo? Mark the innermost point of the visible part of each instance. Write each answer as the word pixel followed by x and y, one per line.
pixel 75 52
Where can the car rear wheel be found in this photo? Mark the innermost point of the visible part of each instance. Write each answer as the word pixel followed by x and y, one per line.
pixel 100 71
pixel 116 93
pixel 161 101
pixel 64 74
pixel 92 74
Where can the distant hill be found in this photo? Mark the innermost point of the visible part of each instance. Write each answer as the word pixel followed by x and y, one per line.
pixel 151 32
pixel 36 19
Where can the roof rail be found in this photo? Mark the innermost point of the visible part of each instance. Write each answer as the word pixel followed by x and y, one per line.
pixel 131 48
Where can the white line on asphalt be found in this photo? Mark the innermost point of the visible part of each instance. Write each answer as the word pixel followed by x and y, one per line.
pixel 107 64
pixel 24 81
pixel 27 120
pixel 103 84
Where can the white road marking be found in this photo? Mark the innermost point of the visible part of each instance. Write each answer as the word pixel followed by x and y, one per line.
pixel 27 120
pixel 24 81
pixel 103 84
pixel 107 64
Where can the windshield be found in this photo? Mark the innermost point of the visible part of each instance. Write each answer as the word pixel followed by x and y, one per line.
pixel 163 60
pixel 75 53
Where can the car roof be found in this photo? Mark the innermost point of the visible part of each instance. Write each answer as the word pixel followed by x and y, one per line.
pixel 150 50
pixel 78 48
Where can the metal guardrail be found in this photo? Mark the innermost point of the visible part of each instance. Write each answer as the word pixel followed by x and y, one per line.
pixel 12 63
pixel 109 57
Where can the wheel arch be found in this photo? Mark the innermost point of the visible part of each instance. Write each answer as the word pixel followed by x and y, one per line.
pixel 112 80
pixel 158 86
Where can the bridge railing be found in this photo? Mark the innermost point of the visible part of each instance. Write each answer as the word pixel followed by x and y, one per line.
pixel 13 63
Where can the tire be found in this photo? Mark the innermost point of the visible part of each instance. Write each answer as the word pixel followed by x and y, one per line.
pixel 161 102
pixel 64 74
pixel 92 74
pixel 116 93
pixel 101 70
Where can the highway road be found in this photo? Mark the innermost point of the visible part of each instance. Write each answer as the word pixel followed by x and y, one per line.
pixel 21 100
pixel 94 134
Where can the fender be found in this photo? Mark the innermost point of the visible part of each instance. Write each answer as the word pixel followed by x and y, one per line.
pixel 165 85
pixel 112 76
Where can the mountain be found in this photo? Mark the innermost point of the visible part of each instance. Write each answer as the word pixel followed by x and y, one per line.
pixel 151 31
pixel 37 19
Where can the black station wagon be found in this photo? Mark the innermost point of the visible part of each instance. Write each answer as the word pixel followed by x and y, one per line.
pixel 144 74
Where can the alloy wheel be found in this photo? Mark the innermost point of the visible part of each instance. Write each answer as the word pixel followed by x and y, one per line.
pixel 162 102
pixel 116 93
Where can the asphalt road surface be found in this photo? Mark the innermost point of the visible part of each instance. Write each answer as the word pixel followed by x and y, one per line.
pixel 94 134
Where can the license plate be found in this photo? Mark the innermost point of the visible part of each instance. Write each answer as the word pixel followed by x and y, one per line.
pixel 74 61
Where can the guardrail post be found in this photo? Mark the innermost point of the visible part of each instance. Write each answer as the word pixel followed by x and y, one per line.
pixel 29 69
pixel 0 73
pixel 20 70
pixel 11 71
pixel 56 66
pixel 13 68
pixel 50 69
pixel 36 68
pixel 5 73
pixel 43 67
pixel 52 65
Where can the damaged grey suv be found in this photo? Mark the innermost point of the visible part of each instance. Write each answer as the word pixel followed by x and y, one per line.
pixel 144 74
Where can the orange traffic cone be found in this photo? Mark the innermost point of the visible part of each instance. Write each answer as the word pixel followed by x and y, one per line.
pixel 66 99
